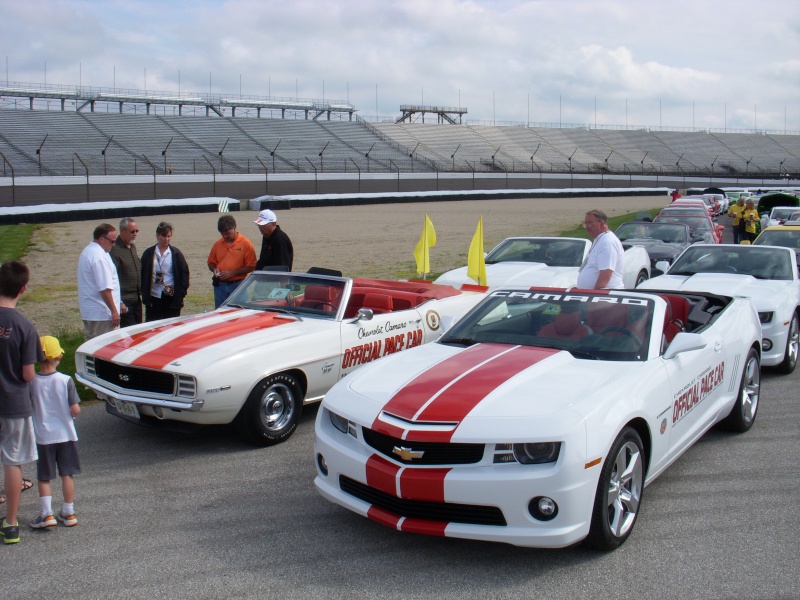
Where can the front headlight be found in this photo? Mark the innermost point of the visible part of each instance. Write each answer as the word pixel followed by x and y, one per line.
pixel 535 453
pixel 765 317
pixel 342 424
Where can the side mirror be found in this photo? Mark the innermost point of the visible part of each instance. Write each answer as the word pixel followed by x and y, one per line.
pixel 364 314
pixel 662 266
pixel 684 342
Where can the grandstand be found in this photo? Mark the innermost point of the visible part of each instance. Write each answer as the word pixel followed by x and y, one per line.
pixel 84 142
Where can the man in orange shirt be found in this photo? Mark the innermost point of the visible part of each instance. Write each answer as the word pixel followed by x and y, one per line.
pixel 231 258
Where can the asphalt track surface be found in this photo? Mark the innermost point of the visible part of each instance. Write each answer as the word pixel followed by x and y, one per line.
pixel 166 515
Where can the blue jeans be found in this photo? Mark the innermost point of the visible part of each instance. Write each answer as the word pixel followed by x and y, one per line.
pixel 223 290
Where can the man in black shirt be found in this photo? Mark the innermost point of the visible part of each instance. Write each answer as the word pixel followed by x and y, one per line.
pixel 276 247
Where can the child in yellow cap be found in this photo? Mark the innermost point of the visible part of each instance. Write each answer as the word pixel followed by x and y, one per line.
pixel 55 405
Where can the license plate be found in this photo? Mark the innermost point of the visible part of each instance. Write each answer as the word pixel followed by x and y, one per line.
pixel 127 408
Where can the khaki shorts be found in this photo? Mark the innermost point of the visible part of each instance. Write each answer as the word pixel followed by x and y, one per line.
pixel 91 329
pixel 17 441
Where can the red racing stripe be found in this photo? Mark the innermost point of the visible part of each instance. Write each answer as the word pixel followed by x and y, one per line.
pixel 426 527
pixel 205 336
pixel 382 475
pixel 109 351
pixel 384 517
pixel 459 399
pixel 410 399
pixel 423 484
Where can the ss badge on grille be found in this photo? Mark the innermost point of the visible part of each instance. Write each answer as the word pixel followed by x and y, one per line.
pixel 123 377
pixel 407 453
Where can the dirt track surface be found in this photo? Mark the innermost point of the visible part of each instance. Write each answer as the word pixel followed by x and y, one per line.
pixel 370 241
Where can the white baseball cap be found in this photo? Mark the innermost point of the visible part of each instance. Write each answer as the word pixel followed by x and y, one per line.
pixel 265 217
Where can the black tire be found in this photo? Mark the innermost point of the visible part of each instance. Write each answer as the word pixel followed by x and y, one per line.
pixel 619 492
pixel 641 278
pixel 271 412
pixel 792 346
pixel 743 413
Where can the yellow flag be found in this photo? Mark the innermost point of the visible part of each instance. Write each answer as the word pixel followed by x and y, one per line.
pixel 476 262
pixel 422 253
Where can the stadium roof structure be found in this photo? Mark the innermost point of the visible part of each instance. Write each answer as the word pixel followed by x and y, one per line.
pixel 443 113
pixel 85 96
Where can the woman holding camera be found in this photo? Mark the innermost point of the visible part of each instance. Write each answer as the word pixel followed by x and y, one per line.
pixel 165 277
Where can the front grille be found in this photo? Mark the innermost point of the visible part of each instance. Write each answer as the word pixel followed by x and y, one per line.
pixel 134 378
pixel 446 512
pixel 434 453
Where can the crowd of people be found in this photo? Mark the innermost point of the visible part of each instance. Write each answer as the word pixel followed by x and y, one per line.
pixel 116 288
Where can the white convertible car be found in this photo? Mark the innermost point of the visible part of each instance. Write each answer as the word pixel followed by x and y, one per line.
pixel 546 262
pixel 539 418
pixel 280 340
pixel 766 274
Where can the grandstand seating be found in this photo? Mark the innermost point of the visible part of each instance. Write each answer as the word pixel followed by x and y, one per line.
pixel 192 144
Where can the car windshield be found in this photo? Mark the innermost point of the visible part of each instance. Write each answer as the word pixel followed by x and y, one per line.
pixel 788 238
pixel 589 326
pixel 696 224
pixel 782 213
pixel 684 210
pixel 762 263
pixel 554 252
pixel 292 293
pixel 665 232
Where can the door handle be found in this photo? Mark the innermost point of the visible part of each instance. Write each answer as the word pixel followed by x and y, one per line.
pixel 717 347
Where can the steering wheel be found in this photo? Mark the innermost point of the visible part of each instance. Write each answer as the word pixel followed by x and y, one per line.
pixel 317 306
pixel 622 330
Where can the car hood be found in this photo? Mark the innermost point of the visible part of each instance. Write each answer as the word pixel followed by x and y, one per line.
pixel 199 340
pixel 516 274
pixel 762 292
pixel 658 250
pixel 441 393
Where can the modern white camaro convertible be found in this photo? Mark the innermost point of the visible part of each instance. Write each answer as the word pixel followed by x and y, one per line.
pixel 766 274
pixel 280 340
pixel 539 418
pixel 546 262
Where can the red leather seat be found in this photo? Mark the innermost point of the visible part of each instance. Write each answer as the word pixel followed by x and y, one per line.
pixel 319 297
pixel 566 325
pixel 379 303
pixel 676 316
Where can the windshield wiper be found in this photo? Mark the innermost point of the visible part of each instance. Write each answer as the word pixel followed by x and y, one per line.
pixel 284 311
pixel 458 341
pixel 234 305
pixel 582 354
pixel 689 273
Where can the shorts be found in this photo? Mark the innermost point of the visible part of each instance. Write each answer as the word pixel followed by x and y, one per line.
pixel 91 329
pixel 17 441
pixel 64 455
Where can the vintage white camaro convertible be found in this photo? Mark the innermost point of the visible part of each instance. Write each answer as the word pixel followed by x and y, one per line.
pixel 280 340
pixel 539 418
pixel 546 262
pixel 767 275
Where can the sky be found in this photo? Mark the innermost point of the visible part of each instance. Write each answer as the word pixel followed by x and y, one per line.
pixel 709 64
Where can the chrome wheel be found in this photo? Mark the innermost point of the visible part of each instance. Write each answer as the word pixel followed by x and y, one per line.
pixel 792 347
pixel 619 492
pixel 751 389
pixel 625 489
pixel 271 412
pixel 277 405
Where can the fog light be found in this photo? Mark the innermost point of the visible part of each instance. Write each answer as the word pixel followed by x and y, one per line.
pixel 322 465
pixel 543 508
pixel 766 345
pixel 158 412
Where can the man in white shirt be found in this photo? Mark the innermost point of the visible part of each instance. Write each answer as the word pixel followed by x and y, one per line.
pixel 603 266
pixel 98 284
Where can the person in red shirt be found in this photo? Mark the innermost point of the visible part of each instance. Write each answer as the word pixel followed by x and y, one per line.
pixel 675 195
pixel 231 258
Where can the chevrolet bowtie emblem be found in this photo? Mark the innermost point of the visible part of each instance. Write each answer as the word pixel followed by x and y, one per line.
pixel 407 453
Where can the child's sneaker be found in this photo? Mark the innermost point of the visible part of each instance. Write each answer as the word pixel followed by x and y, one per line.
pixel 42 522
pixel 68 520
pixel 9 533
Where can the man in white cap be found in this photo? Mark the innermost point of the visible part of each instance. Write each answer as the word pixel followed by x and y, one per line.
pixel 276 247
